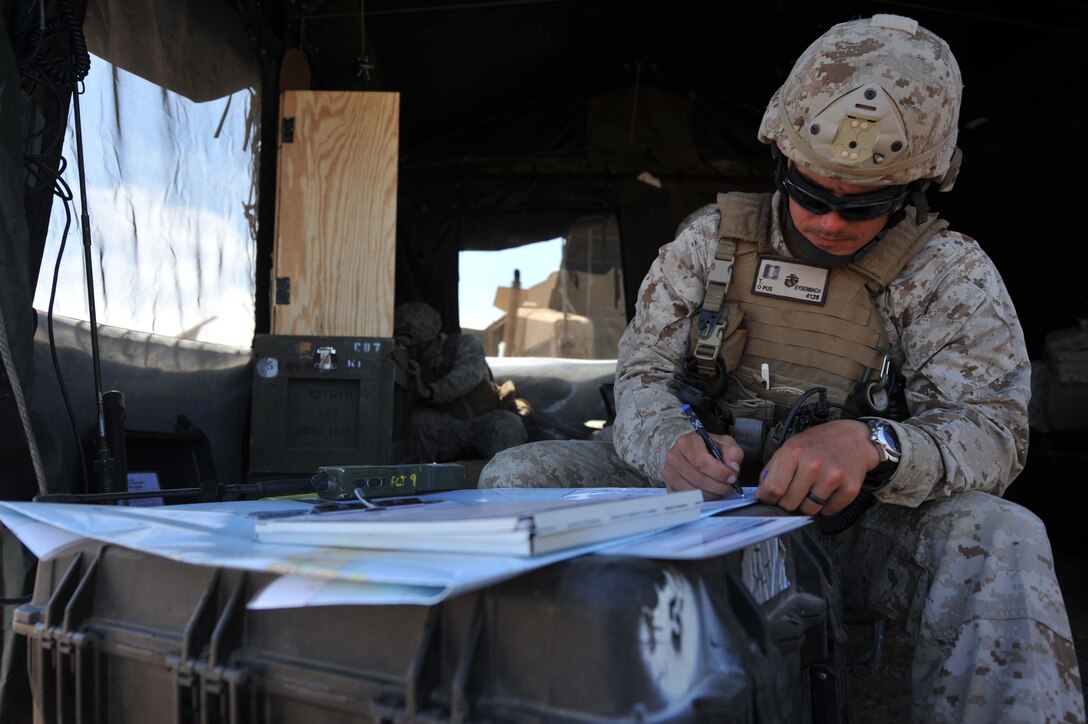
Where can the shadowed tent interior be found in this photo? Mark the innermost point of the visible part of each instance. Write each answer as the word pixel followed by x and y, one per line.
pixel 518 118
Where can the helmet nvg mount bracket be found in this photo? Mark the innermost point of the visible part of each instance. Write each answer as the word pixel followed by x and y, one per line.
pixel 871 102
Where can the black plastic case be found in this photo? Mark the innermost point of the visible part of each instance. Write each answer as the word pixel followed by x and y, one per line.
pixel 116 635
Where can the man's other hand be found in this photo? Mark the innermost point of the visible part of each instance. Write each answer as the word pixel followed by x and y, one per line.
pixel 826 463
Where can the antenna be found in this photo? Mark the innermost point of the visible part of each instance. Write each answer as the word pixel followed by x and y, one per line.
pixel 69 70
pixel 104 463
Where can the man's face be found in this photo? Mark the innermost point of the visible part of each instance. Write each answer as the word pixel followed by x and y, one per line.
pixel 425 351
pixel 830 231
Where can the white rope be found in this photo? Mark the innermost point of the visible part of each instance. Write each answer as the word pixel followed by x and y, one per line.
pixel 20 402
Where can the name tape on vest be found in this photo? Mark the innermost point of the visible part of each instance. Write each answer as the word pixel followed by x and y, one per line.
pixel 791 279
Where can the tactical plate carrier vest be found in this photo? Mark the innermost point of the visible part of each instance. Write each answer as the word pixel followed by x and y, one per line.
pixel 834 345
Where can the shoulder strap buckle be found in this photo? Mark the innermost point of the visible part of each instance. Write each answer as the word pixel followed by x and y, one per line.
pixel 708 320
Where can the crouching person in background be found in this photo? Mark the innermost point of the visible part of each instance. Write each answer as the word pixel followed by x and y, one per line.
pixel 455 408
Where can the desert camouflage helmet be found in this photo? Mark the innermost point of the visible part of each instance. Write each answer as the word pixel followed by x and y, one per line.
pixel 415 323
pixel 871 102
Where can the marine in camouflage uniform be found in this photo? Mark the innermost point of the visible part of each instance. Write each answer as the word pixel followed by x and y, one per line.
pixel 454 405
pixel 970 575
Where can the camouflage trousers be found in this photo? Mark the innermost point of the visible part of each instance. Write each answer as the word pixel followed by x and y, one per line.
pixel 437 437
pixel 971 578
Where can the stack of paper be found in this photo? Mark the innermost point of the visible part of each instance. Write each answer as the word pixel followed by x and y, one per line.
pixel 510 527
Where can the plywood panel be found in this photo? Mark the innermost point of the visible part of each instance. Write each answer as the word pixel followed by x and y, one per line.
pixel 336 208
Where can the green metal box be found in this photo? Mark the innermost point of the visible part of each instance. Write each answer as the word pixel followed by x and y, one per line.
pixel 321 401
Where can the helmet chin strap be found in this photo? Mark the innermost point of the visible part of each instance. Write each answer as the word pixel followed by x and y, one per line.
pixel 919 200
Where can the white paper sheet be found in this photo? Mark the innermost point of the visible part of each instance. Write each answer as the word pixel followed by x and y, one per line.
pixel 708 537
pixel 221 535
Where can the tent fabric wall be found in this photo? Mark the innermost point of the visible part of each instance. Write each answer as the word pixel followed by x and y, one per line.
pixel 195 48
pixel 20 257
pixel 22 477
pixel 161 379
pixel 168 155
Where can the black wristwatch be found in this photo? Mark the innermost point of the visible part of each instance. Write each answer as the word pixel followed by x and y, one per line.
pixel 887 446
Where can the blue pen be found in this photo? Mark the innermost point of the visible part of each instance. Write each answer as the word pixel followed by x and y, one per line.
pixel 710 445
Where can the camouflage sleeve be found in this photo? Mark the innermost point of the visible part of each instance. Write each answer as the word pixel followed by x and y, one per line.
pixel 469 369
pixel 967 371
pixel 652 349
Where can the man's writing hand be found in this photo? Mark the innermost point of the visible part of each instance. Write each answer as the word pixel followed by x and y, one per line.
pixel 689 465
pixel 826 462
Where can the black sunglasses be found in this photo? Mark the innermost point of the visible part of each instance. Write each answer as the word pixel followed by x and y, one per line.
pixel 853 207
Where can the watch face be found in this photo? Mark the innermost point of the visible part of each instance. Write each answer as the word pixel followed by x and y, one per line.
pixel 883 436
pixel 887 445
